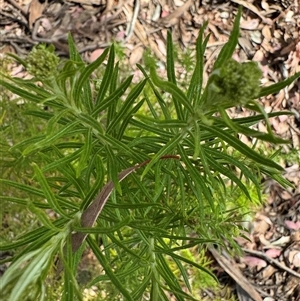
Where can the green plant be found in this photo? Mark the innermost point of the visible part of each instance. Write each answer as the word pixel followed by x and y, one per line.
pixel 167 174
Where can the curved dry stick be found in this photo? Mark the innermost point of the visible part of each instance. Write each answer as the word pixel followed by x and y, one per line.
pixel 90 215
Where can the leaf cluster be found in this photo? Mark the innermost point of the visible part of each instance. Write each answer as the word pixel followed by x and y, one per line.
pixel 127 177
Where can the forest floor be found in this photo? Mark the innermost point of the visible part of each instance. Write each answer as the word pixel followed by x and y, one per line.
pixel 270 267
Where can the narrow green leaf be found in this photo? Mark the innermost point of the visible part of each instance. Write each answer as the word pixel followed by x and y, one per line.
pixel 171 88
pixel 151 128
pixel 49 195
pixel 74 54
pixel 187 178
pixel 195 87
pixel 69 70
pixel 107 267
pixel 275 88
pixel 167 274
pixel 139 292
pixel 184 273
pixel 228 49
pixel 241 147
pixel 107 76
pixel 159 97
pixel 86 153
pixel 54 120
pixel 227 159
pixel 200 185
pixel 29 85
pixel 69 173
pixel 65 131
pixel 112 109
pixel 181 258
pixel 71 287
pixel 103 230
pixel 113 97
pixel 22 201
pixel 23 187
pixel 85 74
pixel 32 272
pixel 34 239
pixel 89 121
pixel 62 161
pixel 226 172
pixel 170 59
pixel 248 131
pixel 22 93
pixel 169 147
pixel 96 166
pixel 34 191
pixel 122 147
pixel 9 274
pixel 46 116
pixel 17 58
pixel 171 123
pixel 42 217
pixel 251 120
pixel 127 119
pixel 29 141
pixel 114 79
pixel 130 99
pixel 112 168
pixel 87 98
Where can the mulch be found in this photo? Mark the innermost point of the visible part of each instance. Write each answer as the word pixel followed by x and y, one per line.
pixel 269 270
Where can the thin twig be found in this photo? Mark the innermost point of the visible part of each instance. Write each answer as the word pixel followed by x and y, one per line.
pixel 131 25
pixel 19 7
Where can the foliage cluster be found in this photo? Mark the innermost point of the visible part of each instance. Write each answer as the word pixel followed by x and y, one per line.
pixel 139 190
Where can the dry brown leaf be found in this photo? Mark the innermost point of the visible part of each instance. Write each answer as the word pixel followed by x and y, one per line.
pixel 267 272
pixel 249 24
pixel 141 33
pixel 95 54
pixel 261 225
pixel 265 5
pixel 35 11
pixel 296 258
pixel 259 56
pixel 161 46
pixel 282 241
pixel 254 262
pixel 109 6
pixel 293 225
pixel 136 55
pixel 266 32
pixel 273 253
